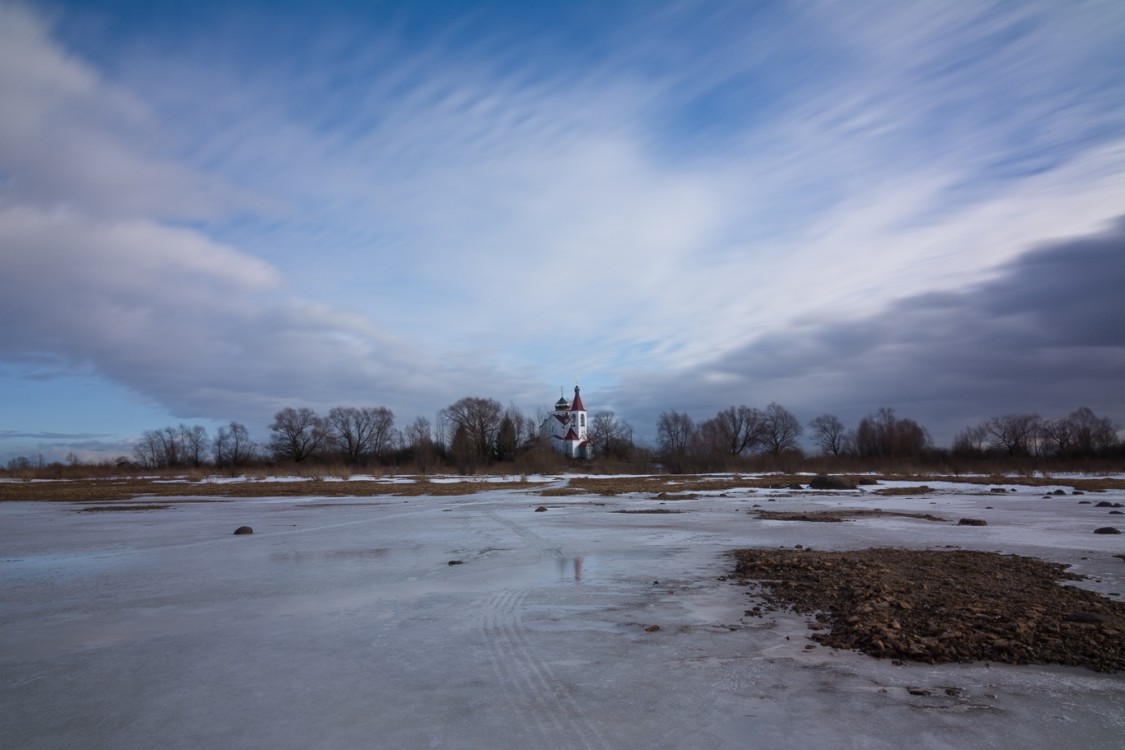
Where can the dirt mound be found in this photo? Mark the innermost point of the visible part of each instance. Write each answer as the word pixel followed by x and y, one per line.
pixel 826 482
pixel 943 606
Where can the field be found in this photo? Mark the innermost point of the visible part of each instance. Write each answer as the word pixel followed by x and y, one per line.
pixel 552 611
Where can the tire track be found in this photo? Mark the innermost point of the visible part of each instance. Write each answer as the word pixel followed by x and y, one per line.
pixel 533 692
pixel 538 543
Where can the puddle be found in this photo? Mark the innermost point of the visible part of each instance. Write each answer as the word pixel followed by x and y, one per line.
pixel 619 567
pixel 566 570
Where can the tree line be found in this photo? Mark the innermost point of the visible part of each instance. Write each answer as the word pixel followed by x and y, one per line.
pixel 476 432
pixel 737 433
pixel 469 434
pixel 1081 434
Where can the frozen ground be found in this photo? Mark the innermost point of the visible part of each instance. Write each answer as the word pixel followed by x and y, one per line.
pixel 340 624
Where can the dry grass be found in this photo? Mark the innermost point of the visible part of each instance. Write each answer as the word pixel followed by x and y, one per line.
pixel 684 483
pixel 123 506
pixel 680 483
pixel 649 511
pixel 1088 484
pixel 834 516
pixel 103 490
pixel 674 486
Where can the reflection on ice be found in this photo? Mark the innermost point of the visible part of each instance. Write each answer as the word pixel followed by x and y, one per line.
pixel 569 570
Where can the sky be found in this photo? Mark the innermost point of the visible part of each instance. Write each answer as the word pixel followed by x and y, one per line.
pixel 211 211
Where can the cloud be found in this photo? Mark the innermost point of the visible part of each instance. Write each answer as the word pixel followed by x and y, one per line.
pixel 479 184
pixel 1043 335
pixel 200 327
pixel 14 434
pixel 70 138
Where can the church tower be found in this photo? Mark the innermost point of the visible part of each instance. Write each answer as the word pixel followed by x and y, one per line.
pixel 577 443
pixel 567 427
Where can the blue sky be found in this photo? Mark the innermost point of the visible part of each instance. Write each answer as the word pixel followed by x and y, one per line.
pixel 209 211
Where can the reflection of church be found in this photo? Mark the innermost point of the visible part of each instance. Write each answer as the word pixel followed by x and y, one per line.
pixel 565 428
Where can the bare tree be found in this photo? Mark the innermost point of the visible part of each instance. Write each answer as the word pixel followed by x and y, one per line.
pixel 1093 435
pixel 971 441
pixel 233 447
pixel 171 447
pixel 1058 436
pixel 610 435
pixel 885 435
pixel 148 452
pixel 297 434
pixel 830 434
pixel 475 422
pixel 738 429
pixel 420 442
pixel 781 430
pixel 1015 433
pixel 674 434
pixel 711 445
pixel 359 434
pixel 194 441
pixel 418 433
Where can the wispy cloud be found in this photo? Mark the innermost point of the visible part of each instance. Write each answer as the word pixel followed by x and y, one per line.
pixel 13 434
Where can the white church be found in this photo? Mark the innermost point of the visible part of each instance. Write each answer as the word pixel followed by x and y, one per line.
pixel 565 428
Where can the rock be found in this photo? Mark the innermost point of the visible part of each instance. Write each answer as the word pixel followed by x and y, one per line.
pixel 1001 490
pixel 1115 513
pixel 541 509
pixel 456 562
pixel 1107 504
pixel 796 486
pixel 1058 492
pixel 972 522
pixel 826 482
pixel 652 628
pixel 243 530
pixel 1077 492
pixel 1107 530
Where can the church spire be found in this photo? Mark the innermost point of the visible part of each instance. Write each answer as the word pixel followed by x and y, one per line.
pixel 576 404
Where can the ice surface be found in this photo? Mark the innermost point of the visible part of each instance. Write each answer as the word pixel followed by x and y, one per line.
pixel 339 623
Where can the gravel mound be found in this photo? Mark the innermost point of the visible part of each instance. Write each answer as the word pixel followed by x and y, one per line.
pixel 942 606
pixel 826 482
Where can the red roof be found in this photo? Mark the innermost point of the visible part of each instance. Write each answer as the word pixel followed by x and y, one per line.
pixel 576 405
pixel 570 435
